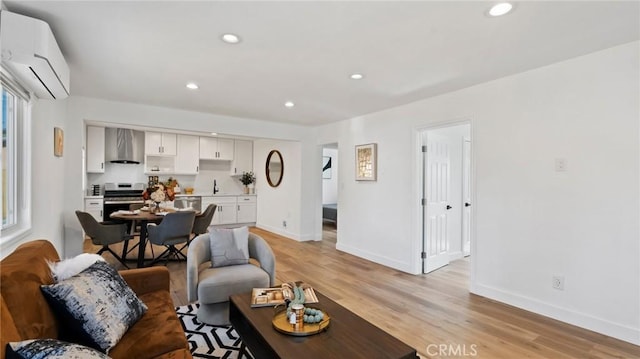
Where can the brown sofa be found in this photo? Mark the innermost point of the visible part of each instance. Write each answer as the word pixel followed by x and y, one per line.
pixel 25 313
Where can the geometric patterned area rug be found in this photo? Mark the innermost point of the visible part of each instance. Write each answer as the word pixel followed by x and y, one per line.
pixel 208 341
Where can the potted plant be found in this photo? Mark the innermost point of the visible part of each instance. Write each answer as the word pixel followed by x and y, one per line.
pixel 247 178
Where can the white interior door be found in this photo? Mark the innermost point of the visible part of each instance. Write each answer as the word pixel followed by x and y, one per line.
pixel 466 197
pixel 436 190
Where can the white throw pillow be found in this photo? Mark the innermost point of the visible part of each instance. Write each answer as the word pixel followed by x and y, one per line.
pixel 67 268
pixel 229 246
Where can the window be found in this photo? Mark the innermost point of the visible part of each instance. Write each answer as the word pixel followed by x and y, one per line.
pixel 16 159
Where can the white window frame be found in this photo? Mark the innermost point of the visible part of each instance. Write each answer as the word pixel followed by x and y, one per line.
pixel 22 157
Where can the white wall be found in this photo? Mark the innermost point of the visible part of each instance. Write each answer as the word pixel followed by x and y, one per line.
pixel 330 185
pixel 48 176
pixel 282 203
pixel 530 222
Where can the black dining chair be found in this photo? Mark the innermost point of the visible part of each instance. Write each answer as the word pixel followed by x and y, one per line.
pixel 174 229
pixel 105 234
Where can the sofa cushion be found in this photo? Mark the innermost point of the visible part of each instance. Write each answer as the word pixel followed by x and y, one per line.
pixel 22 274
pixel 96 307
pixel 158 332
pixel 51 349
pixel 215 285
pixel 229 246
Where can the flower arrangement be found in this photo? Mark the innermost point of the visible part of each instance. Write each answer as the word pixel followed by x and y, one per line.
pixel 247 178
pixel 159 193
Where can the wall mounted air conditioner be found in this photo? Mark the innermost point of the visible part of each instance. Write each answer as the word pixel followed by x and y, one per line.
pixel 31 54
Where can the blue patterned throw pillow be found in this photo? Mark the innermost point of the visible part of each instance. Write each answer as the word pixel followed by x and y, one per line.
pixel 95 307
pixel 50 349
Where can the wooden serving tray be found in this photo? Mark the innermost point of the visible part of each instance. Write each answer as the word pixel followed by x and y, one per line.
pixel 281 324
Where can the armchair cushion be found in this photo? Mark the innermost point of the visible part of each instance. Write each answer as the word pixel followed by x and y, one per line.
pixel 96 305
pixel 51 349
pixel 217 284
pixel 229 247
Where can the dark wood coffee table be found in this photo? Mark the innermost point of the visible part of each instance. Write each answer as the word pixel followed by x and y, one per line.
pixel 348 335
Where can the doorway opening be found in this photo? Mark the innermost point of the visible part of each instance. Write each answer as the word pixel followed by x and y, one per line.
pixel 446 193
pixel 330 192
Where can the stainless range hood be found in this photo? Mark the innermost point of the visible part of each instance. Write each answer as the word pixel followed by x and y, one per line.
pixel 124 145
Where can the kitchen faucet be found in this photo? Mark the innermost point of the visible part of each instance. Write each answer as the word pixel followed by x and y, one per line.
pixel 215 187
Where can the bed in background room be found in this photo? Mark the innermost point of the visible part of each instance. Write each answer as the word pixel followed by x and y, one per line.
pixel 330 212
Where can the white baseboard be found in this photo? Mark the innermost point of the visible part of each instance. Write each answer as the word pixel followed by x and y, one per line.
pixel 583 320
pixel 279 231
pixel 389 262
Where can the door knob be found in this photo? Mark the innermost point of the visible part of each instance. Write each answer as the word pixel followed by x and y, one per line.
pixel 449 207
pixel 466 204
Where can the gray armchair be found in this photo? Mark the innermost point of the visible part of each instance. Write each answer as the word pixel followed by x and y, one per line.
pixel 213 286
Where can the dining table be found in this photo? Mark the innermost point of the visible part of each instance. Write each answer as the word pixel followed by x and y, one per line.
pixel 143 217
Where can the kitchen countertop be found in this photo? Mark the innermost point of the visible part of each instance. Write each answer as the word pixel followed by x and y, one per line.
pixel 213 195
pixel 192 195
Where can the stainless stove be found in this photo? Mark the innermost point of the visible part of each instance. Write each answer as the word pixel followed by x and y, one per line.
pixel 119 196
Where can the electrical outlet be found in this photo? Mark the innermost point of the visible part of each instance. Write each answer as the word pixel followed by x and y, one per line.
pixel 561 164
pixel 557 282
pixel 284 224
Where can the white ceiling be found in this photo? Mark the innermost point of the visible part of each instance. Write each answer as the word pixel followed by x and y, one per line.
pixel 145 52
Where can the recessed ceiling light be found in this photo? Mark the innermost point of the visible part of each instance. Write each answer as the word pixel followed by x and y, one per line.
pixel 214 133
pixel 230 38
pixel 357 76
pixel 289 104
pixel 192 86
pixel 500 9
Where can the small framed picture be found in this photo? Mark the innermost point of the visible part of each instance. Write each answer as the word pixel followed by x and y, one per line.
pixel 58 141
pixel 326 167
pixel 366 157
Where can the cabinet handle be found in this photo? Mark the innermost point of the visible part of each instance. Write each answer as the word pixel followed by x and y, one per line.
pixel 197 168
pixel 102 165
pixel 238 207
pixel 100 213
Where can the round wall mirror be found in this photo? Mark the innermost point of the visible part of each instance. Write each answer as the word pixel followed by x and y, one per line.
pixel 274 168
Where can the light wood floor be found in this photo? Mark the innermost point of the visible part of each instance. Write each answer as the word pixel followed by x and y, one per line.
pixel 425 311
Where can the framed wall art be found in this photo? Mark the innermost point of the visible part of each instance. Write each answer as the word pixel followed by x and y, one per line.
pixel 326 167
pixel 366 158
pixel 58 141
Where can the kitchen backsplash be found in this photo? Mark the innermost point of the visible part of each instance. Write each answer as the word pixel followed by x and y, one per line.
pixel 202 182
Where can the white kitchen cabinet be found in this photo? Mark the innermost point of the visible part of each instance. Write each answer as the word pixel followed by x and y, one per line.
pixel 231 210
pixel 212 148
pixel 226 210
pixel 187 155
pixel 160 144
pixel 95 149
pixel 246 209
pixel 242 157
pixel 225 149
pixel 94 206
